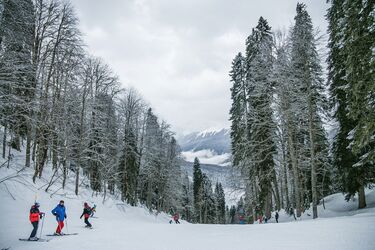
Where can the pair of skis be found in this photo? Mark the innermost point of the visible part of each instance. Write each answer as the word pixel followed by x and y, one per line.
pixel 61 234
pixel 46 240
pixel 38 240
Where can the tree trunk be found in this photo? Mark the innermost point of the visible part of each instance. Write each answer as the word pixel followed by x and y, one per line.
pixel 282 204
pixel 252 186
pixel 105 191
pixel 41 156
pixel 267 205
pixel 55 153
pixel 313 166
pixel 34 150
pixel 65 168
pixel 361 197
pixel 16 144
pixel 295 170
pixel 277 192
pixel 149 195
pixel 28 146
pixel 51 180
pixel 286 190
pixel 64 173
pixel 77 179
pixel 9 154
pixel 313 181
pixel 5 139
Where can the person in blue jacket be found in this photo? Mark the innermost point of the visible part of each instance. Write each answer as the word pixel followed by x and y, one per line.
pixel 59 212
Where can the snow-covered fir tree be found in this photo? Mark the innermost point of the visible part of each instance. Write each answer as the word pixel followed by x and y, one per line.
pixel 187 198
pixel 307 80
pixel 219 203
pixel 259 62
pixel 197 191
pixel 351 44
pixel 208 206
pixel 251 115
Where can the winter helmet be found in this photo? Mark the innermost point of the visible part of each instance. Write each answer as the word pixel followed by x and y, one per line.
pixel 36 204
pixel 85 204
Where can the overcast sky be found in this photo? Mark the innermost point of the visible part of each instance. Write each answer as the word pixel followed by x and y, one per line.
pixel 176 53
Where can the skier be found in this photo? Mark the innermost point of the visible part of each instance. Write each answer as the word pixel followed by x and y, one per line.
pixel 291 212
pixel 35 216
pixel 86 212
pixel 59 212
pixel 260 218
pixel 277 217
pixel 176 218
pixel 172 213
pixel 265 219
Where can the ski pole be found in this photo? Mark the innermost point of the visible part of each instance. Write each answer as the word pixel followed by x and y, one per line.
pixel 67 228
pixel 41 229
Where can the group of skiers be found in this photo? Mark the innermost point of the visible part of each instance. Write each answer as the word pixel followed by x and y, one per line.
pixel 60 213
pixel 265 219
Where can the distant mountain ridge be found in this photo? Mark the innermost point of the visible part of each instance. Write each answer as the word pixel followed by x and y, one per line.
pixel 213 149
pixel 215 140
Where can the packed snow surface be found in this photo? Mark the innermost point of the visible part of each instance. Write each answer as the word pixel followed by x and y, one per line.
pixel 120 226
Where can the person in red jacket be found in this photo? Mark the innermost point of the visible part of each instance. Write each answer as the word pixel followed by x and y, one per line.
pixel 176 218
pixel 35 216
pixel 86 212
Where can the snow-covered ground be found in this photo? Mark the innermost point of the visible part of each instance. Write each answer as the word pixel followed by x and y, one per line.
pixel 119 226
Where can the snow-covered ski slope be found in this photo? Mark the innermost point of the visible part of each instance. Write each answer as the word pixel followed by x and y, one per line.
pixel 119 226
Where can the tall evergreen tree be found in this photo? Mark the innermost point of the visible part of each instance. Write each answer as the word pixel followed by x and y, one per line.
pixel 352 93
pixel 307 76
pixel 187 198
pixel 172 192
pixel 197 190
pixel 360 38
pixel 150 161
pixel 129 167
pixel 208 209
pixel 220 203
pixel 261 128
pixel 232 215
pixel 238 111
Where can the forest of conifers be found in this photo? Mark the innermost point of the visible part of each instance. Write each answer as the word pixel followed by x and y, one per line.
pixel 284 105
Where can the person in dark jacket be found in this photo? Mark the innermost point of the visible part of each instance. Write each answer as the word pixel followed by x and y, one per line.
pixel 86 213
pixel 34 217
pixel 277 217
pixel 265 219
pixel 59 212
pixel 291 212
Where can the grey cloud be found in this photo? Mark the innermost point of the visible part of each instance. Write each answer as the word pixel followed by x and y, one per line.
pixel 178 53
